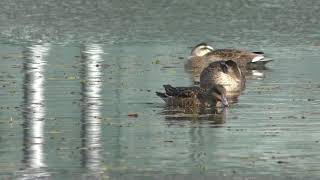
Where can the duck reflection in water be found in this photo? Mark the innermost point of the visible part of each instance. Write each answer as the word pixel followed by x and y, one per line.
pixel 34 112
pixel 214 117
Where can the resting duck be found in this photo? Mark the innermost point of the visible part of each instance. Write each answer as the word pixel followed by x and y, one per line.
pixel 241 57
pixel 197 62
pixel 224 73
pixel 194 97
pixel 197 53
pixel 202 54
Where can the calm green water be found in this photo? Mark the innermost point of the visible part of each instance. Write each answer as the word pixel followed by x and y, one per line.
pixel 71 72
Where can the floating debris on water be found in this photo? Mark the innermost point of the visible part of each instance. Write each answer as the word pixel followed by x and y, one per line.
pixel 133 114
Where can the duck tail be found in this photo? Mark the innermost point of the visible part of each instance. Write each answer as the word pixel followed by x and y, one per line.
pixel 258 58
pixel 162 95
pixel 170 90
pixel 259 52
pixel 263 61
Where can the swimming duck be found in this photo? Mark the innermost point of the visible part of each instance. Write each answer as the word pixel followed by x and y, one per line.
pixel 224 73
pixel 194 97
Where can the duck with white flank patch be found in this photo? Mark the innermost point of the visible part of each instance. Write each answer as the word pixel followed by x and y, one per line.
pixel 241 57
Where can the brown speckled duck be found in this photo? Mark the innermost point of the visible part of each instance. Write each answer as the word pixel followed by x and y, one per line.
pixel 224 73
pixel 194 97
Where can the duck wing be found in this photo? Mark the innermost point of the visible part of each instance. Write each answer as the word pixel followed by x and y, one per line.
pixel 240 56
pixel 225 53
pixel 235 68
pixel 181 91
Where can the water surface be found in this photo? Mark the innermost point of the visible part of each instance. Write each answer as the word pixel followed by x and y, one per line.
pixel 71 72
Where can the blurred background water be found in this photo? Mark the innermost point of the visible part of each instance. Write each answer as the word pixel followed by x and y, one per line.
pixel 72 71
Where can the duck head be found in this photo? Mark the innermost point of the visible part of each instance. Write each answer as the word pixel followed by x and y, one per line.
pixel 217 93
pixel 201 49
pixel 230 67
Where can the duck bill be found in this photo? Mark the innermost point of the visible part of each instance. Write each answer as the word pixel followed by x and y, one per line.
pixel 224 101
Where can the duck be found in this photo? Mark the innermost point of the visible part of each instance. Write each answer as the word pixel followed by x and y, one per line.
pixel 197 54
pixel 241 57
pixel 201 49
pixel 225 73
pixel 202 54
pixel 194 97
pixel 196 62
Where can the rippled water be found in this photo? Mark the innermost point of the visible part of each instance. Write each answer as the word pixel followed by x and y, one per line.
pixel 71 73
